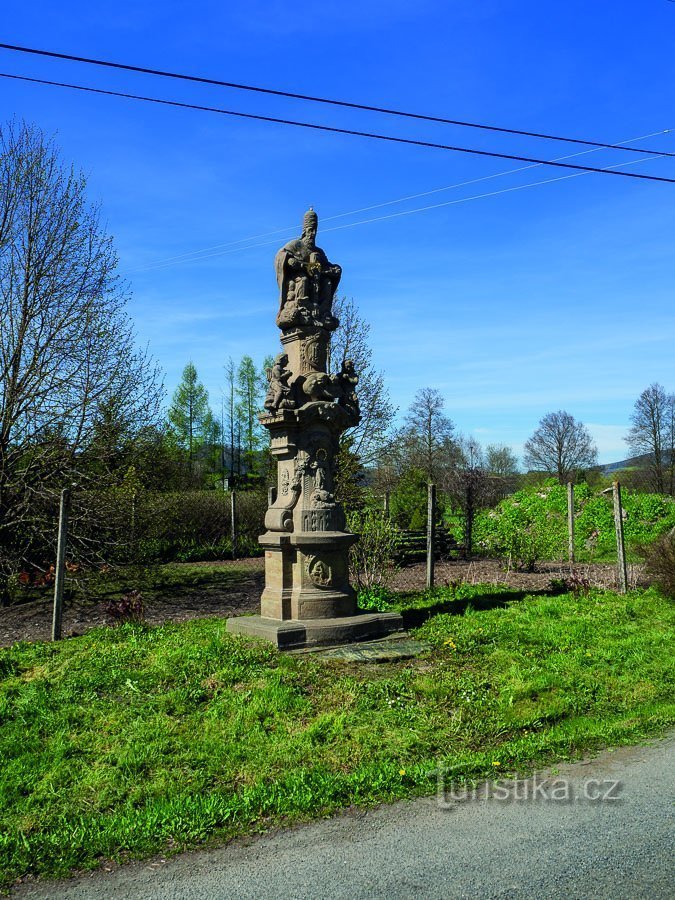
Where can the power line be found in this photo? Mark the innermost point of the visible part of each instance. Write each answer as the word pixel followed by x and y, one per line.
pixel 194 255
pixel 407 212
pixel 334 130
pixel 325 100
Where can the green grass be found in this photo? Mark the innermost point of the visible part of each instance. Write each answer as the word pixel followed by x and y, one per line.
pixel 131 741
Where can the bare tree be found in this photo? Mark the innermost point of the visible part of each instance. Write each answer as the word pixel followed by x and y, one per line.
pixel 560 446
pixel 653 433
pixel 352 341
pixel 426 439
pixel 67 349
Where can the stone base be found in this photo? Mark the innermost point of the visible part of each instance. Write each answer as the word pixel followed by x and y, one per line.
pixel 294 633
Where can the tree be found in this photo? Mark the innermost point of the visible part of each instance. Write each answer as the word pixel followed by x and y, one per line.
pixel 67 347
pixel 426 439
pixel 470 485
pixel 249 390
pixel 231 425
pixel 653 433
pixel 501 461
pixel 352 341
pixel 190 416
pixel 560 446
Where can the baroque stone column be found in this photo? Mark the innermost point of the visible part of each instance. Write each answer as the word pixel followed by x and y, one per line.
pixel 307 597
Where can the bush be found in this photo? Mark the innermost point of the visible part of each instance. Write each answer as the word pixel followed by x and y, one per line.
pixel 531 525
pixel 660 563
pixel 576 583
pixel 523 529
pixel 371 557
pixel 196 525
pixel 376 598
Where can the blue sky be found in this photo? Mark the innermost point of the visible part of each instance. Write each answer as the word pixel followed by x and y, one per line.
pixel 554 296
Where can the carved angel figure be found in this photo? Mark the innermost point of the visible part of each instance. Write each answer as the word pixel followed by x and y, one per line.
pixel 279 394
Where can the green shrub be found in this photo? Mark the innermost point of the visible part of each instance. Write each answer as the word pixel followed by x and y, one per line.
pixel 523 529
pixel 371 557
pixel 531 525
pixel 376 598
pixel 196 525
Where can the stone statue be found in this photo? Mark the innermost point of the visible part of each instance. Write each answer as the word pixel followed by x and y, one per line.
pixel 321 496
pixel 347 379
pixel 279 394
pixel 307 281
pixel 308 600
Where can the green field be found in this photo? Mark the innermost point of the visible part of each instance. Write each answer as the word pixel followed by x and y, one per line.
pixel 131 741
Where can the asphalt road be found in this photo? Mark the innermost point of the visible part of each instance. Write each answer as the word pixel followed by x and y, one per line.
pixel 564 842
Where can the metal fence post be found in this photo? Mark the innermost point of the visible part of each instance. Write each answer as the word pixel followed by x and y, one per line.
pixel 60 570
pixel 431 514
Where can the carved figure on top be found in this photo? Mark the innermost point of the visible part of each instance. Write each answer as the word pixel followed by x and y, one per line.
pixel 346 381
pixel 307 280
pixel 280 393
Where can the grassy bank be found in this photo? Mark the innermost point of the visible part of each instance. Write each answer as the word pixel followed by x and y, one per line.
pixel 131 741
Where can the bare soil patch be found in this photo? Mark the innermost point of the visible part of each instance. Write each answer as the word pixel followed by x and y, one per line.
pixel 33 621
pixel 491 571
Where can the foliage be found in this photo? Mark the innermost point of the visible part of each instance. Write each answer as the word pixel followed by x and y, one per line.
pixel 70 374
pixel 138 741
pixel 660 563
pixel 531 525
pixel 409 498
pixel 560 446
pixel 370 558
pixel 250 390
pixel 191 420
pixel 196 525
pixel 522 529
pixel 377 598
pixel 348 478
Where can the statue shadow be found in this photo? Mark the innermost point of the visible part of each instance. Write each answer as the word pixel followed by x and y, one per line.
pixel 414 617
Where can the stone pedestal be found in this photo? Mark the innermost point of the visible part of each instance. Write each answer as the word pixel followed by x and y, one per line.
pixel 307 597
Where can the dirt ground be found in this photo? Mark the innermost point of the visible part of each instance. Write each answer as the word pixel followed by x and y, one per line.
pixel 491 571
pixel 32 621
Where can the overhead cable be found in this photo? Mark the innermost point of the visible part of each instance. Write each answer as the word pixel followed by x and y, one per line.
pixel 325 100
pixel 407 212
pixel 193 255
pixel 334 130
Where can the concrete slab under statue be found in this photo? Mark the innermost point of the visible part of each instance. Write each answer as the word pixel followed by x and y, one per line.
pixel 308 600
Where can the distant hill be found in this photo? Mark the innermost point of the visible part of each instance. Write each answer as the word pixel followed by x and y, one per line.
pixel 634 462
